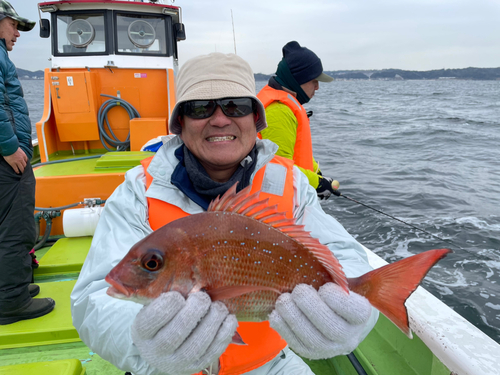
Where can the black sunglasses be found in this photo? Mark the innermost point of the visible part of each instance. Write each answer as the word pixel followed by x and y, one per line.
pixel 231 107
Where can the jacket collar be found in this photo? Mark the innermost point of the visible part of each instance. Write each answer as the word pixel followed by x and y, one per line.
pixel 163 165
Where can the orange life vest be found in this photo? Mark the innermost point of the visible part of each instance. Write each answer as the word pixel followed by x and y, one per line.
pixel 302 152
pixel 263 342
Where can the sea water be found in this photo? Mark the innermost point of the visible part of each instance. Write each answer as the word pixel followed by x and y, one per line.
pixel 426 152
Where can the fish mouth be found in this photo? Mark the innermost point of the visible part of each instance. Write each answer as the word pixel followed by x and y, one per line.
pixel 221 138
pixel 117 290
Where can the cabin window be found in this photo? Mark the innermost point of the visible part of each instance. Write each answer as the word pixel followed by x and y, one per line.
pixel 141 34
pixel 81 34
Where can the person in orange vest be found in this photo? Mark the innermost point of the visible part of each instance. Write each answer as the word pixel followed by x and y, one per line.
pixel 215 124
pixel 297 79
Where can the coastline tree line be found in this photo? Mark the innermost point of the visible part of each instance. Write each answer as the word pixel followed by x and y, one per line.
pixel 384 74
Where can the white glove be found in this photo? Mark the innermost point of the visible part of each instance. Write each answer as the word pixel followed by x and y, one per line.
pixel 321 324
pixel 183 336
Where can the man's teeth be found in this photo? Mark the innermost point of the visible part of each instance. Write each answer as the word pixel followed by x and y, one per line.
pixel 220 139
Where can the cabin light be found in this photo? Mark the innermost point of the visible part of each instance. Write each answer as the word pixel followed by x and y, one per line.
pixel 48 8
pixel 173 12
pixel 168 11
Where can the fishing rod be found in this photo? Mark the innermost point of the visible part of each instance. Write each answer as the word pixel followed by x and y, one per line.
pixel 338 193
pixel 355 363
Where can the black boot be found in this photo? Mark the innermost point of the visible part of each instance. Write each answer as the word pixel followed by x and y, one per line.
pixel 36 308
pixel 34 290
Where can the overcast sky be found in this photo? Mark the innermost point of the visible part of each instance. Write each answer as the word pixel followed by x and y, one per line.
pixel 346 35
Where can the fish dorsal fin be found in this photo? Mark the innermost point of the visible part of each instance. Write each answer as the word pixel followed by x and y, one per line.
pixel 250 205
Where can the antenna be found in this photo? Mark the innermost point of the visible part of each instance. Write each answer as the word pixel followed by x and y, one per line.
pixel 234 38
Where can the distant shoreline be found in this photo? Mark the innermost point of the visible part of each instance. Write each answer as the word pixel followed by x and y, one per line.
pixel 478 74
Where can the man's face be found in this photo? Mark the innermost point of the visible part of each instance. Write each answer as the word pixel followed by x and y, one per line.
pixel 9 32
pixel 219 142
pixel 310 87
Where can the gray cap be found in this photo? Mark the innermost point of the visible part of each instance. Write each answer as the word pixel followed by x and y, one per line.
pixel 215 76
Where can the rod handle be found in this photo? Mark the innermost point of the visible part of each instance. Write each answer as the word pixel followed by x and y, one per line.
pixel 335 185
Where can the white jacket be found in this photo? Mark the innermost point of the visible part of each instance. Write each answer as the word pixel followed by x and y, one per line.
pixel 104 322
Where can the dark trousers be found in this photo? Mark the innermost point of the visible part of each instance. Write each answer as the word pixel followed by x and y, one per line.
pixel 17 235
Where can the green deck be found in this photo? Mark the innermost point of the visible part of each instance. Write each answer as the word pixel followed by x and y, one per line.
pixel 94 364
pixel 386 351
pixel 111 162
pixel 66 256
pixel 63 367
pixel 53 328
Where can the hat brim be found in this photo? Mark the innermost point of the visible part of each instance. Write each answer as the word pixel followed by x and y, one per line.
pixel 324 78
pixel 23 24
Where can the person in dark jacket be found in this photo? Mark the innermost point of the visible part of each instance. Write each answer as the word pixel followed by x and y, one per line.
pixel 17 185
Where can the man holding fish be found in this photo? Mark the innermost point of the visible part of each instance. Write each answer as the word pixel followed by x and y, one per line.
pixel 226 283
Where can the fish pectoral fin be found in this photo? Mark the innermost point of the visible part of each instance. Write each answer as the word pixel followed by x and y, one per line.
pixel 227 292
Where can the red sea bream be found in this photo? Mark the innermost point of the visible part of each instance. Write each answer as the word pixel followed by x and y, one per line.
pixel 245 254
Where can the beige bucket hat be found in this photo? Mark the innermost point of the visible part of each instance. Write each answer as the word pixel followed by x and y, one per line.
pixel 215 76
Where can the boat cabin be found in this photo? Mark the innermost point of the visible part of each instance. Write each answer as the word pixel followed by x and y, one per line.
pixel 103 50
pixel 110 88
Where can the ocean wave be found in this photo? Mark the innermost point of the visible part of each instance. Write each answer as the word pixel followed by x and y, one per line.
pixel 447 278
pixel 489 267
pixel 492 306
pixel 444 290
pixel 478 223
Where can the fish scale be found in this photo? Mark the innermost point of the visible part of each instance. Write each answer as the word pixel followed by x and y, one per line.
pixel 261 256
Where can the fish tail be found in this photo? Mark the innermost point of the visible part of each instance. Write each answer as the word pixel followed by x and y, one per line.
pixel 388 287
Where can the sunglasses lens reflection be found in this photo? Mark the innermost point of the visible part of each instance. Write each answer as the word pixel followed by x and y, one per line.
pixel 231 107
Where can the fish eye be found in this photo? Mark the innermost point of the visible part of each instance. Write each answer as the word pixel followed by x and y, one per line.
pixel 152 261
